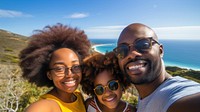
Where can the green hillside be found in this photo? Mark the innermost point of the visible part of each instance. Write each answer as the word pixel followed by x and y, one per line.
pixel 10 46
pixel 187 73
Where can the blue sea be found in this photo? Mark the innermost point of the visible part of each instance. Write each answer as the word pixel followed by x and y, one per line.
pixel 181 53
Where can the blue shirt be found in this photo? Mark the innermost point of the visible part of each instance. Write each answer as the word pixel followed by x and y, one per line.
pixel 167 93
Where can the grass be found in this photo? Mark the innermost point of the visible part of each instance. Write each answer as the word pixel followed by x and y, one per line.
pixel 10 46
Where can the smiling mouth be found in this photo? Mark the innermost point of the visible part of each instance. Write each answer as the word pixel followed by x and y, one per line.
pixel 70 83
pixel 109 99
pixel 135 67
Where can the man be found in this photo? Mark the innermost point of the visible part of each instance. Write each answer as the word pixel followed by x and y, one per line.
pixel 140 57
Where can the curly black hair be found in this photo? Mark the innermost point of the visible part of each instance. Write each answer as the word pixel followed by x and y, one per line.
pixel 35 58
pixel 96 64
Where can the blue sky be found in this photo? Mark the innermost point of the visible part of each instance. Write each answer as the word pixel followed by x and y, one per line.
pixel 171 19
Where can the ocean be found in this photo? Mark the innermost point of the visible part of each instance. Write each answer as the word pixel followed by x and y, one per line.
pixel 180 53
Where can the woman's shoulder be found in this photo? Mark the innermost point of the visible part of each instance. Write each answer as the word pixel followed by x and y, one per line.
pixel 43 105
pixel 79 95
pixel 88 101
pixel 77 92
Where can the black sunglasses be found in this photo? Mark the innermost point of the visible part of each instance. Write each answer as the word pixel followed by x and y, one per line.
pixel 141 45
pixel 62 70
pixel 112 85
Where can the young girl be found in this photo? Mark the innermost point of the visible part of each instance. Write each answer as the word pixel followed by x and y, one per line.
pixel 103 80
pixel 53 58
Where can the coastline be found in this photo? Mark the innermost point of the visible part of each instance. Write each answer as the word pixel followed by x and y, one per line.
pixel 180 66
pixel 97 45
pixel 167 64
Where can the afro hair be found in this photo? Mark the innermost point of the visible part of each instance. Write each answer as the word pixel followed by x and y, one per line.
pixel 96 64
pixel 35 58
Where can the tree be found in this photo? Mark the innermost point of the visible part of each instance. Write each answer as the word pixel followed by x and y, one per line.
pixel 11 88
pixel 15 92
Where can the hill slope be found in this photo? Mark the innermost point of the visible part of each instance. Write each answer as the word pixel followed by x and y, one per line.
pixel 10 46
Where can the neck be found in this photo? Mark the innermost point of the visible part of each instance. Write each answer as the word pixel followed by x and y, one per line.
pixel 145 90
pixel 64 96
pixel 119 108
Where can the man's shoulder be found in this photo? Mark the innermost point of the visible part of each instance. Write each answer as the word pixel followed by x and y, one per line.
pixel 177 88
pixel 188 103
pixel 177 82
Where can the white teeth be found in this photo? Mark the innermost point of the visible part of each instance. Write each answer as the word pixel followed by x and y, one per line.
pixel 70 82
pixel 135 67
pixel 110 99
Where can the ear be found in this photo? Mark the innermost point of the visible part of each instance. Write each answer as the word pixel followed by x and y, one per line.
pixel 49 76
pixel 161 51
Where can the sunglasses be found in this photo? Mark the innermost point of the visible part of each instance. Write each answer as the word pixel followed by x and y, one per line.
pixel 141 45
pixel 62 70
pixel 112 85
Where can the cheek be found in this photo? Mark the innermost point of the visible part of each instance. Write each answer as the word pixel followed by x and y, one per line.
pixel 154 54
pixel 80 76
pixel 155 58
pixel 56 79
pixel 99 97
pixel 56 82
pixel 119 93
pixel 121 64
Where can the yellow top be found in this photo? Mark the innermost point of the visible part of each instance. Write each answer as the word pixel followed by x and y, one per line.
pixel 77 106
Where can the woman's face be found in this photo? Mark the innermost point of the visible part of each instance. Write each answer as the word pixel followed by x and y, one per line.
pixel 64 70
pixel 109 98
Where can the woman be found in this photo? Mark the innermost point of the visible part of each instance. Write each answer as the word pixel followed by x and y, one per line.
pixel 103 80
pixel 53 58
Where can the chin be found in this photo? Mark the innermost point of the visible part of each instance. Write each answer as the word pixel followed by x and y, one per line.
pixel 71 90
pixel 112 106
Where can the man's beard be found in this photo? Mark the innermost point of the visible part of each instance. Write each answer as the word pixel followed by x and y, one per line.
pixel 149 77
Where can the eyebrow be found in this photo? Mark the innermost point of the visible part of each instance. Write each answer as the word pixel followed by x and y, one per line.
pixel 75 61
pixel 60 62
pixel 106 83
pixel 123 44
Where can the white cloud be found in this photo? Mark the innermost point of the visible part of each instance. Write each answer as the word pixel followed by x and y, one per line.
pixel 12 14
pixel 184 32
pixel 104 31
pixel 77 15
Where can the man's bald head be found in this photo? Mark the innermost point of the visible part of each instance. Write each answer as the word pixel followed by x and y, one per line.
pixel 137 30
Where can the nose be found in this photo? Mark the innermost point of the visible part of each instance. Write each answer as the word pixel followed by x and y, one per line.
pixel 68 72
pixel 107 90
pixel 133 53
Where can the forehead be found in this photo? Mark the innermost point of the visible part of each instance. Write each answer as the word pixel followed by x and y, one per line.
pixel 103 77
pixel 129 35
pixel 64 54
